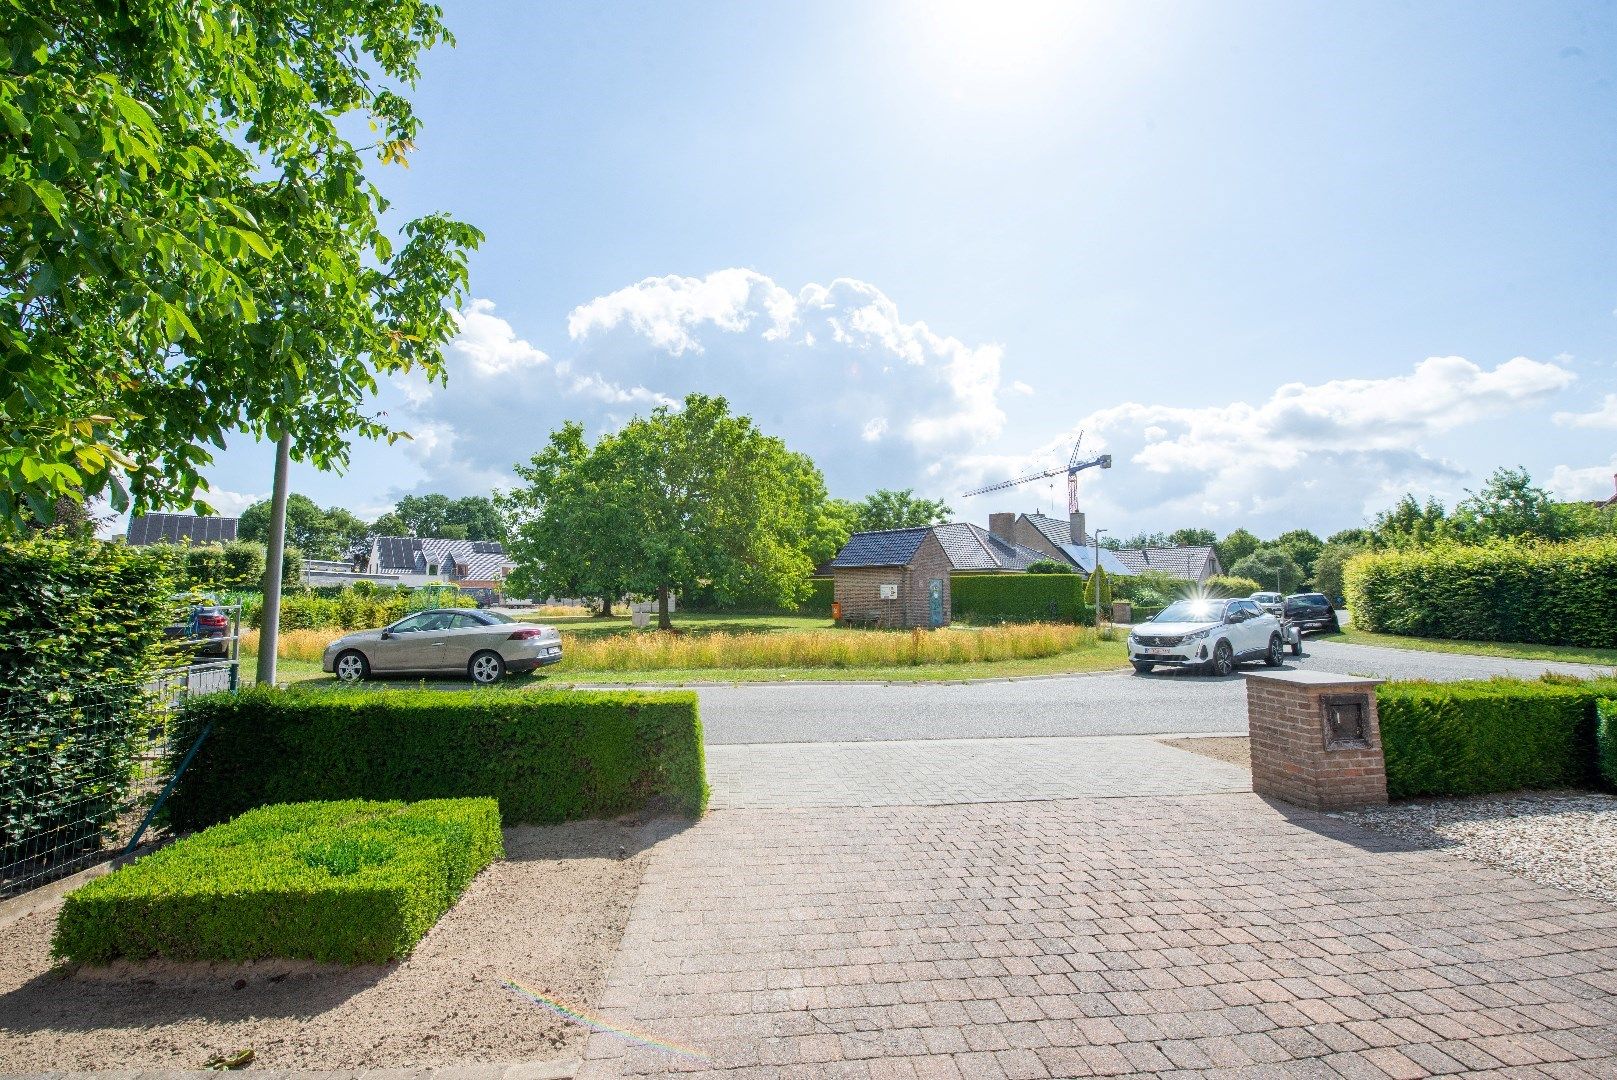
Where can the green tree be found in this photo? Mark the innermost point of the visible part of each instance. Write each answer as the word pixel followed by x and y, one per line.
pixel 423 515
pixel 1360 537
pixel 192 246
pixel 1235 547
pixel 1272 567
pixel 390 524
pixel 1193 537
pixel 320 534
pixel 478 515
pixel 1303 547
pixel 1410 524
pixel 1509 507
pixel 672 502
pixel 887 509
pixel 1329 568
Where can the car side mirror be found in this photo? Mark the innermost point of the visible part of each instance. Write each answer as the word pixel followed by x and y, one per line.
pixel 387 635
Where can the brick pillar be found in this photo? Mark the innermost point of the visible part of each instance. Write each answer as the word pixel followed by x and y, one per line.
pixel 1316 739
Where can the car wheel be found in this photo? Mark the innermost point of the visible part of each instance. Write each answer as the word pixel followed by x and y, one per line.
pixel 1142 667
pixel 1275 654
pixel 352 666
pixel 486 668
pixel 1223 662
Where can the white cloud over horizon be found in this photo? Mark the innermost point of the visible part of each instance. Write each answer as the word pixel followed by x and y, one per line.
pixel 1603 417
pixel 879 400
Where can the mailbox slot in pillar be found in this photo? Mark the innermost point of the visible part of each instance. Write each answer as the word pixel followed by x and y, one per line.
pixel 1316 739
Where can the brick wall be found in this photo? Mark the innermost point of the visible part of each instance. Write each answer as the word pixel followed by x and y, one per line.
pixel 1291 758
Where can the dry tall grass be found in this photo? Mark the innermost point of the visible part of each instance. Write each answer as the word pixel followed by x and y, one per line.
pixel 653 651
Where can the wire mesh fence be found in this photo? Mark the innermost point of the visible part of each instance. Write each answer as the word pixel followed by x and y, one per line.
pixel 81 767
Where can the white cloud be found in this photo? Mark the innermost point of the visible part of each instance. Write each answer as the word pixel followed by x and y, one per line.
pixel 1603 417
pixel 1020 387
pixel 1594 482
pixel 875 429
pixel 230 503
pixel 1328 451
pixel 671 311
pixel 489 345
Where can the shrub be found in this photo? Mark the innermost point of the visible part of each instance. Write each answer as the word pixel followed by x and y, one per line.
pixel 819 597
pixel 1230 585
pixel 1467 738
pixel 1553 594
pixel 1049 566
pixel 81 628
pixel 546 756
pixel 995 598
pixel 344 882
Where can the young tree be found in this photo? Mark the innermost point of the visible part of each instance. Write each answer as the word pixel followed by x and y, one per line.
pixel 1272 567
pixel 193 247
pixel 887 509
pixel 1410 524
pixel 1509 507
pixel 1303 547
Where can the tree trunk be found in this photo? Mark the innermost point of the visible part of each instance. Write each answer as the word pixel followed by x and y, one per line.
pixel 663 621
pixel 606 606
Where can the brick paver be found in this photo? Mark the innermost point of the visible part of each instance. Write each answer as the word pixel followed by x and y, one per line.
pixel 1208 935
pixel 939 771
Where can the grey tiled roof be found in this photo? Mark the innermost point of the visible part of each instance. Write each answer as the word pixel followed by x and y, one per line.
pixel 889 547
pixel 1055 530
pixel 413 555
pixel 1182 562
pixel 178 528
pixel 483 567
pixel 972 548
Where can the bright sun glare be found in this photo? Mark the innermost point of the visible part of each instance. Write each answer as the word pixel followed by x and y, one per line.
pixel 998 44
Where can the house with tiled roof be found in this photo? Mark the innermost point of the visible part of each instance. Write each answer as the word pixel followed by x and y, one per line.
pixel 473 565
pixel 974 550
pixel 892 578
pixel 1067 541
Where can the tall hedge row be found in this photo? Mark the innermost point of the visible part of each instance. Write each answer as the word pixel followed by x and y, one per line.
pixel 546 756
pixel 1469 738
pixel 81 628
pixel 998 598
pixel 1555 594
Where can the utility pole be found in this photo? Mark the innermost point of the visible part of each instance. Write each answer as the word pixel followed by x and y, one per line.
pixel 269 634
pixel 1095 575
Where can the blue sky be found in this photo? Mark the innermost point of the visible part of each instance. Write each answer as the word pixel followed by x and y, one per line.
pixel 1285 261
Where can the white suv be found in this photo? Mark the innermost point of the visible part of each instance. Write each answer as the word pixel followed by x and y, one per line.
pixel 1209 634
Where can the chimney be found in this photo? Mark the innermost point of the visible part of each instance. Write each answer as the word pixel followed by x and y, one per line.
pixel 1002 526
pixel 1076 522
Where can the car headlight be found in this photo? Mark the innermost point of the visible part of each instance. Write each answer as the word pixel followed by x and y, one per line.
pixel 1198 634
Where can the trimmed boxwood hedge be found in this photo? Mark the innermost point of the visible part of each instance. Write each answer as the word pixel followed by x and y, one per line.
pixel 1606 741
pixel 995 598
pixel 1553 594
pixel 1469 738
pixel 343 882
pixel 546 756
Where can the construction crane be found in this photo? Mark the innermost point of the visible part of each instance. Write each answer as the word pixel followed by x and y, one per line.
pixel 1075 465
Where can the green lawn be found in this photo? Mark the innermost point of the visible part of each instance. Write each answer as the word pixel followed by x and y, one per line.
pixel 1513 650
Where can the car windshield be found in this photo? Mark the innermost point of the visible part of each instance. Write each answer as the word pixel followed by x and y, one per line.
pixel 1192 611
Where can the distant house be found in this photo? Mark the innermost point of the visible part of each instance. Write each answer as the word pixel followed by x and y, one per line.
pixel 974 550
pixel 473 565
pixel 1608 502
pixel 893 578
pixel 147 529
pixel 1067 541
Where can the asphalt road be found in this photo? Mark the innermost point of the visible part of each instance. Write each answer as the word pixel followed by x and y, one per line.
pixel 1107 704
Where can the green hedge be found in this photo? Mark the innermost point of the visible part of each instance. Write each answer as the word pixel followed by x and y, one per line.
pixel 344 882
pixel 1606 741
pixel 81 629
pixel 546 756
pixel 1468 738
pixel 997 598
pixel 1555 594
pixel 819 598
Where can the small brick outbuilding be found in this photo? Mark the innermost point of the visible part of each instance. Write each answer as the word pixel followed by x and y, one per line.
pixel 892 578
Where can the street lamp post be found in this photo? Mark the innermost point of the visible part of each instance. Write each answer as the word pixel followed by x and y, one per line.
pixel 1095 579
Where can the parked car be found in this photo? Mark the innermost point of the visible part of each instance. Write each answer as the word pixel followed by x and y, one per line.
pixel 1311 611
pixel 203 624
pixel 1272 602
pixel 1208 634
pixel 481 645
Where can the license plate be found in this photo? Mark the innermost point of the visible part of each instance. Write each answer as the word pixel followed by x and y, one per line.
pixel 1159 652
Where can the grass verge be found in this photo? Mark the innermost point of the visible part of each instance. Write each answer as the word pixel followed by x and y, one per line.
pixel 1512 650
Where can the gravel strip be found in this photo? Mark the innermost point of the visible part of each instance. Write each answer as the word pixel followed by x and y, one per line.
pixel 1567 839
pixel 549 915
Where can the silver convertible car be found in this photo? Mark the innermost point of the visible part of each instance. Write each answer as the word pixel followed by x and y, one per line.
pixel 482 645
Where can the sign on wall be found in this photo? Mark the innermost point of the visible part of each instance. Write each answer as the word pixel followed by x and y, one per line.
pixel 889 592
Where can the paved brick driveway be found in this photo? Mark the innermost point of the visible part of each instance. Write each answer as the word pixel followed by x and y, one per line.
pixel 1208 935
pixel 935 771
